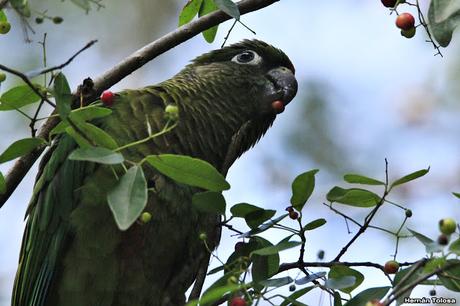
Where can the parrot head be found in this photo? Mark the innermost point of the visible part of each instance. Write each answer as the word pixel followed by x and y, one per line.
pixel 232 96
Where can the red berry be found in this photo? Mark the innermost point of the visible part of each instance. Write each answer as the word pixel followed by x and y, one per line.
pixel 293 215
pixel 391 267
pixel 278 106
pixel 389 3
pixel 237 301
pixel 107 97
pixel 405 21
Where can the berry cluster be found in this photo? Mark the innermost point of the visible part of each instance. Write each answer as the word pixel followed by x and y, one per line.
pixel 404 21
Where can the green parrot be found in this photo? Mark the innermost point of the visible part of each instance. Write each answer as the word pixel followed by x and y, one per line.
pixel 72 251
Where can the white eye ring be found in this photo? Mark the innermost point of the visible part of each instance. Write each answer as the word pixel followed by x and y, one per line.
pixel 247 57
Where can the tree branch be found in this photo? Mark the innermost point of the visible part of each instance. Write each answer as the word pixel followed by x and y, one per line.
pixel 124 68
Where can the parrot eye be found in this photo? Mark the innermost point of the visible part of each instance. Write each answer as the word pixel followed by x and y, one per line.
pixel 247 57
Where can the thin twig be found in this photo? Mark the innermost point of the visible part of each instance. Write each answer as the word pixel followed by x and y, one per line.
pixel 58 67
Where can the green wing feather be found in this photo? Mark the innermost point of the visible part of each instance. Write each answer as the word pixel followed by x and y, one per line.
pixel 57 192
pixel 53 199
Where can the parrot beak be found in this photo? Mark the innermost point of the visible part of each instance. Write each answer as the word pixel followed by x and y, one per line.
pixel 285 84
pixel 285 87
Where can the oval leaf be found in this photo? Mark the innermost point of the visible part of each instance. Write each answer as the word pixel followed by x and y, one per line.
pixel 314 224
pixel 360 179
pixel 97 155
pixel 354 197
pixel 18 97
pixel 277 282
pixel 208 6
pixel 189 11
pixel 21 147
pixel 430 245
pixel 410 177
pixel 81 115
pixel 302 188
pixel 443 19
pixel 129 197
pixel 62 95
pixel 369 294
pixel 264 267
pixel 209 202
pixel 189 170
pixel 340 283
pixel 229 7
pixel 340 271
pixel 242 209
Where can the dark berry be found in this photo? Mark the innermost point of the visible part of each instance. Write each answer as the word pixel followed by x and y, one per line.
pixel 293 215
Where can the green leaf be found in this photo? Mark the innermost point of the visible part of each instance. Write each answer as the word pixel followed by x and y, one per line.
pixel 456 194
pixel 430 245
pixel 455 247
pixel 96 135
pixel 189 11
pixel 277 282
pixel 2 184
pixel 3 17
pixel 81 115
pixel 302 188
pixel 253 215
pixel 443 19
pixel 97 155
pixel 276 248
pixel 296 295
pixel 208 6
pixel 18 97
pixel 240 210
pixel 229 7
pixel 264 267
pixel 214 294
pixel 314 224
pixel 369 294
pixel 360 179
pixel 84 4
pixel 310 278
pixel 20 148
pixel 410 177
pixel 450 278
pixel 402 275
pixel 341 271
pixel 209 202
pixel 434 263
pixel 62 95
pixel 189 170
pixel 354 197
pixel 128 198
pixel 80 140
pixel 340 283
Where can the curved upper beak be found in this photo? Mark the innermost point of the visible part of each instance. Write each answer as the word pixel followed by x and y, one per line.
pixel 285 82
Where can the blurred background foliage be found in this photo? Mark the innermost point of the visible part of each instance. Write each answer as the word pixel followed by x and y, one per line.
pixel 365 94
